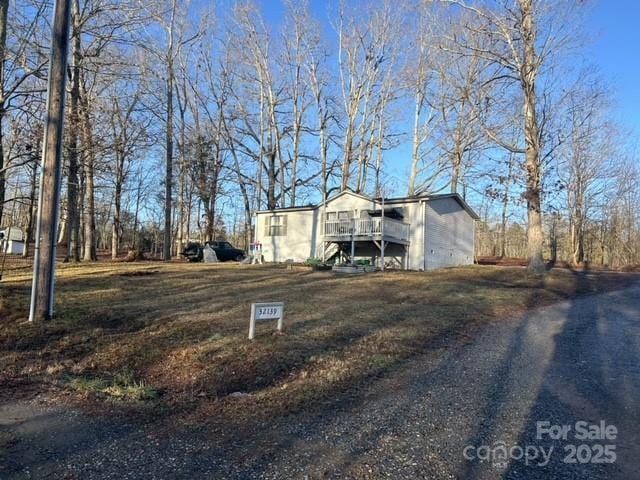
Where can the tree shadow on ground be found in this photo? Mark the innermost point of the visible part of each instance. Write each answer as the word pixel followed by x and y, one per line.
pixel 257 444
pixel 593 376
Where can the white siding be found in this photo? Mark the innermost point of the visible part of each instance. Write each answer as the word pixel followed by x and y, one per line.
pixel 449 234
pixel 12 247
pixel 300 241
pixel 349 202
pixel 413 215
pixel 441 232
pixel 304 229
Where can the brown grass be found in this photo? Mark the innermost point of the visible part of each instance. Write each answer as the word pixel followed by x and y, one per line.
pixel 179 330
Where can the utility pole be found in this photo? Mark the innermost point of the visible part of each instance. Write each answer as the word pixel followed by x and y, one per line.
pixel 42 298
pixel 4 15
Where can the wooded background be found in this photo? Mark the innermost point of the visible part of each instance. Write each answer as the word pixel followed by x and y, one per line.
pixel 184 118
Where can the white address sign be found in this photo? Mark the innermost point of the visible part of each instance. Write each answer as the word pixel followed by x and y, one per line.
pixel 269 312
pixel 265 311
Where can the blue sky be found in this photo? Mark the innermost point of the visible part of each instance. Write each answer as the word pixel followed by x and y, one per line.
pixel 612 32
pixel 615 28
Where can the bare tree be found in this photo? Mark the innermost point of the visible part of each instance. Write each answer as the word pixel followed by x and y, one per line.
pixel 258 76
pixel 208 145
pixel 367 50
pixel 292 63
pixel 72 231
pixel 128 134
pixel 426 166
pixel 318 79
pixel 22 60
pixel 522 38
pixel 586 157
pixel 89 162
pixel 169 59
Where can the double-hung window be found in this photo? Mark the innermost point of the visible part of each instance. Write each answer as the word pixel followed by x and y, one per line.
pixel 276 226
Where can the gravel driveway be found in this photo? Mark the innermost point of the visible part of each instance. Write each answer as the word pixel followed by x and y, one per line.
pixel 576 361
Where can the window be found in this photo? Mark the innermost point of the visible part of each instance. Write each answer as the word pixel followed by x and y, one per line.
pixel 343 215
pixel 276 226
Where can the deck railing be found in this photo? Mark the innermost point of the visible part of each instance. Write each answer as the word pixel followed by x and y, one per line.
pixel 367 227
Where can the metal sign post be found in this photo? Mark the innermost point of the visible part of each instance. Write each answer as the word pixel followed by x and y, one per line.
pixel 265 311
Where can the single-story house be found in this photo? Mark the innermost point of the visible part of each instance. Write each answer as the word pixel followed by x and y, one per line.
pixel 414 233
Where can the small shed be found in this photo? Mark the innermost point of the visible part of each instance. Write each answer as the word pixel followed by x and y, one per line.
pixel 11 241
pixel 11 233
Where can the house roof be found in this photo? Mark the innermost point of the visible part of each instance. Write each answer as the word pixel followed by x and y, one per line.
pixel 460 200
pixel 347 191
pixel 396 200
pixel 289 209
pixel 427 197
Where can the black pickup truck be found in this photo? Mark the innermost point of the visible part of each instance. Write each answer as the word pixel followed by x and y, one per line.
pixel 193 251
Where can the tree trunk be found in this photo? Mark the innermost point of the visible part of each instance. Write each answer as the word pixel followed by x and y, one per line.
pixel 379 155
pixel 577 240
pixel 210 213
pixel 115 234
pixel 503 228
pixel 505 206
pixel 415 153
pixel 456 168
pixel 90 254
pixel 346 162
pixel 271 173
pixel 32 205
pixel 533 194
pixel 117 200
pixel 554 240
pixel 166 248
pixel 135 244
pixel 182 106
pixel 72 234
pixel 297 128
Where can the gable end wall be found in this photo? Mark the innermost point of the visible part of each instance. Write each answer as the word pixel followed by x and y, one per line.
pixel 449 234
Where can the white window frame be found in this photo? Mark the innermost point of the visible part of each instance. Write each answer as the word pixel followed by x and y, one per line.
pixel 277 225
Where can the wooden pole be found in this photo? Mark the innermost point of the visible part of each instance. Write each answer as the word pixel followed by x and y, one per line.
pixel 382 243
pixel 4 15
pixel 42 289
pixel 353 243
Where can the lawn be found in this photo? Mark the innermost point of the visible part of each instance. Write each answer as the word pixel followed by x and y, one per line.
pixel 174 336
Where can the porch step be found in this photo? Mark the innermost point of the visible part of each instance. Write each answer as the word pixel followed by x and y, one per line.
pixel 330 251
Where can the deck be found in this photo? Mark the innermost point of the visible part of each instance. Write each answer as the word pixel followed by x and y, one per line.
pixel 367 229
